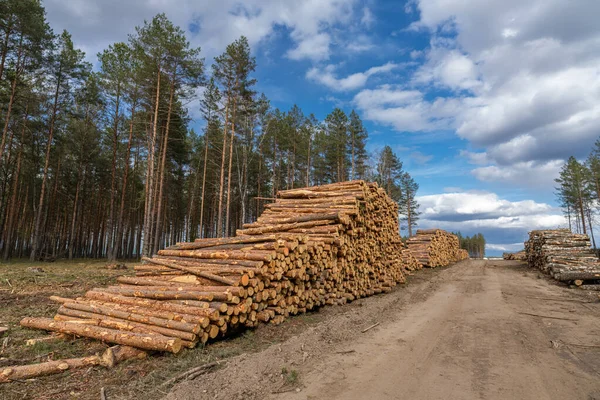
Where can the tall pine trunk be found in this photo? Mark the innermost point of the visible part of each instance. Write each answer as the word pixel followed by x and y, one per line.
pixel 203 184
pixel 308 161
pixel 111 213
pixel 409 213
pixel 581 209
pixel 147 239
pixel 119 232
pixel 159 220
pixel 222 181
pixel 227 210
pixel 74 215
pixel 38 219
pixel 8 235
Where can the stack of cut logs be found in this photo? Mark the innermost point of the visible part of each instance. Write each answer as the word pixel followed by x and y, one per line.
pixel 436 248
pixel 311 247
pixel 462 255
pixel 518 256
pixel 566 256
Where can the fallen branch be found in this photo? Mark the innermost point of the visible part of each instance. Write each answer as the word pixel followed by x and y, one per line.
pixel 549 298
pixel 192 373
pixel 591 346
pixel 280 390
pixel 370 327
pixel 548 316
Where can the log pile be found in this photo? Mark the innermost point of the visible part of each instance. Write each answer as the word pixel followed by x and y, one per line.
pixel 462 255
pixel 312 247
pixel 436 248
pixel 566 256
pixel 518 256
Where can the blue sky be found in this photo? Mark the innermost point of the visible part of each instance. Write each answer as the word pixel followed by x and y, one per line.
pixel 482 100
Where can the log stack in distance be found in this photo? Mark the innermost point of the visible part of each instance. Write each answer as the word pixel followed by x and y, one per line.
pixel 566 256
pixel 436 248
pixel 312 247
pixel 518 256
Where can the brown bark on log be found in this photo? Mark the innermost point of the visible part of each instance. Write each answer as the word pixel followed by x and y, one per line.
pixel 129 316
pixel 201 309
pixel 111 357
pixel 169 295
pixel 205 275
pixel 125 325
pixel 142 341
pixel 265 256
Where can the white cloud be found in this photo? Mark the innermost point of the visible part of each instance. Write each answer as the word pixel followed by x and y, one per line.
pixel 469 206
pixel 523 81
pixel 511 247
pixel 314 47
pixel 406 110
pixel 96 24
pixel 368 19
pixel 501 220
pixel 421 158
pixel 449 69
pixel 476 158
pixel 525 174
pixel 508 33
pixel 327 77
pixel 360 44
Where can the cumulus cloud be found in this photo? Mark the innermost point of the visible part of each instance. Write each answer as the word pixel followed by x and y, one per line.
pixel 212 24
pixel 469 206
pixel 406 109
pixel 501 220
pixel 450 69
pixel 528 174
pixel 327 77
pixel 511 247
pixel 519 80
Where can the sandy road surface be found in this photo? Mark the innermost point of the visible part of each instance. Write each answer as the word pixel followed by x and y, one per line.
pixel 466 332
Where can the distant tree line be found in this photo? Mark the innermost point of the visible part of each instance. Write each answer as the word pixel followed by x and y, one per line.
pixel 105 163
pixel 578 192
pixel 475 244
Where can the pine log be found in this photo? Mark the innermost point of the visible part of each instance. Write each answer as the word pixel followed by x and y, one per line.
pixel 141 341
pixel 206 275
pixel 125 325
pixel 202 309
pixel 108 359
pixel 129 316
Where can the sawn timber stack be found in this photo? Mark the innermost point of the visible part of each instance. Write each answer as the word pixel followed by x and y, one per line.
pixel 312 247
pixel 566 256
pixel 436 248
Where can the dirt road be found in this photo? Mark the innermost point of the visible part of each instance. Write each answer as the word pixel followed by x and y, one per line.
pixel 477 330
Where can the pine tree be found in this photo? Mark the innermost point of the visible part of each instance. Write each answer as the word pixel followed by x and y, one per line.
pixel 185 71
pixel 409 207
pixel 210 110
pixel 336 154
pixel 389 173
pixel 573 191
pixel 106 165
pixel 66 69
pixel 357 147
pixel 114 67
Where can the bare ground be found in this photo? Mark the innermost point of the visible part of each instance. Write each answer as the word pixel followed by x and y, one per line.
pixel 477 330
